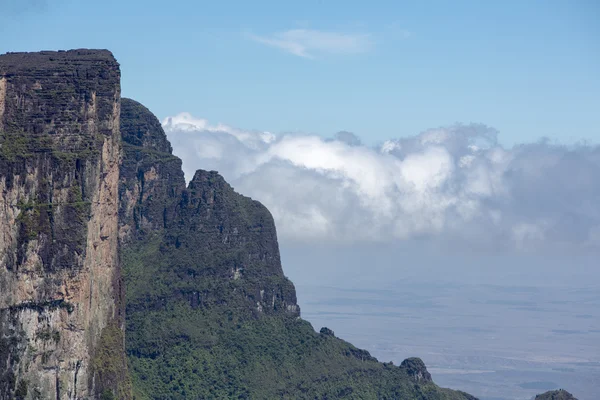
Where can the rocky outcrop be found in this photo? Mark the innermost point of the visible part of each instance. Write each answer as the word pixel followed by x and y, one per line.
pixel 559 394
pixel 151 178
pixel 60 292
pixel 215 221
pixel 326 331
pixel 206 221
pixel 415 367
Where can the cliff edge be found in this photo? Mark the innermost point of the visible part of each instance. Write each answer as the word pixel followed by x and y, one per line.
pixel 60 294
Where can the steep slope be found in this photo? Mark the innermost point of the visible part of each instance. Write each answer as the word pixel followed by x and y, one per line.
pixel 210 313
pixel 60 296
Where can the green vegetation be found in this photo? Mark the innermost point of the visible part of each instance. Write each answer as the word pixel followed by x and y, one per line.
pixel 44 305
pixel 209 312
pixel 21 391
pixel 14 146
pixel 195 329
pixel 29 218
pixel 149 155
pixel 223 351
pixel 48 334
pixel 559 394
pixel 18 145
pixel 109 364
pixel 262 359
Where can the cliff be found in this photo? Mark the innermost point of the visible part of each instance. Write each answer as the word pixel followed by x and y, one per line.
pixel 60 295
pixel 91 192
pixel 210 313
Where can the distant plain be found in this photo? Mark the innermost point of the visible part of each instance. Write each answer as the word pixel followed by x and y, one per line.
pixel 497 341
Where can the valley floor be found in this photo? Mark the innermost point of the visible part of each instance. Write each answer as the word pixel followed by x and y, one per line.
pixel 495 342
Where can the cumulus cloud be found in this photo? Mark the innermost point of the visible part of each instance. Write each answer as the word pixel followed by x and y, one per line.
pixel 456 183
pixel 309 43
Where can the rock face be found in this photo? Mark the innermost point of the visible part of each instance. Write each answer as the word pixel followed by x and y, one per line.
pixel 415 367
pixel 326 331
pixel 60 293
pixel 559 394
pixel 205 221
pixel 151 178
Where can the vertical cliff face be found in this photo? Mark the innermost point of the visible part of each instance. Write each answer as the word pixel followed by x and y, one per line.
pixel 205 232
pixel 60 295
pixel 152 180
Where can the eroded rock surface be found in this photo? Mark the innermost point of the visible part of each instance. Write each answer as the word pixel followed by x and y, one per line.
pixel 415 367
pixel 59 272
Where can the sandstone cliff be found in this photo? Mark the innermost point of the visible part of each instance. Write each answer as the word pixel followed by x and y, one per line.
pixel 90 190
pixel 60 294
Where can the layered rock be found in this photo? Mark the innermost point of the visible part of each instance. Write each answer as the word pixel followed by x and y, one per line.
pixel 206 221
pixel 151 178
pixel 60 294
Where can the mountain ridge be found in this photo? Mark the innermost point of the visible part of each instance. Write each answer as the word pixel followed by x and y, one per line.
pixel 218 250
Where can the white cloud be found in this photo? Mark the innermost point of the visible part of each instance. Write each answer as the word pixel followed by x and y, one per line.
pixel 309 43
pixel 187 123
pixel 453 183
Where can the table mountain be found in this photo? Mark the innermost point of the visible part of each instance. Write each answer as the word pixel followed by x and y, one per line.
pixel 108 255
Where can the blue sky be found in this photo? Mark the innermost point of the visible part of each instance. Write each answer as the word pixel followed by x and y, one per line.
pixel 379 69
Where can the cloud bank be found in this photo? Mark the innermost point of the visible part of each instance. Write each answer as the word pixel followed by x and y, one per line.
pixel 454 183
pixel 309 43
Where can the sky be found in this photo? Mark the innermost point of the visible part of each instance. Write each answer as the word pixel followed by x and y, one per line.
pixel 381 69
